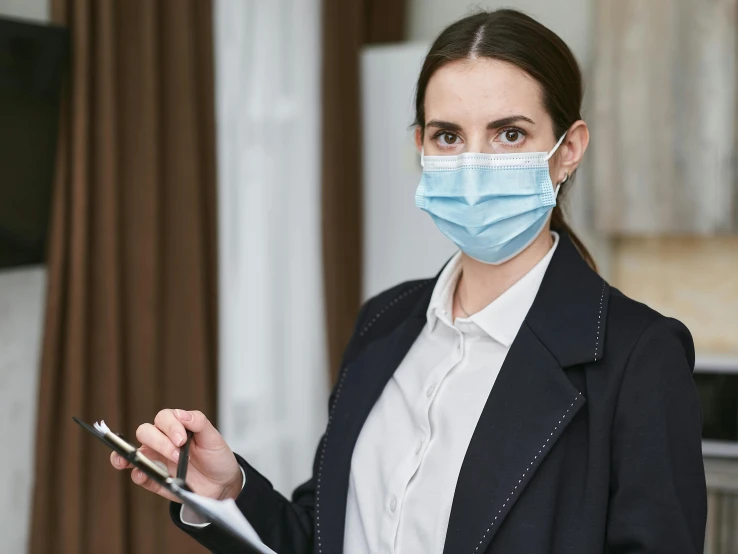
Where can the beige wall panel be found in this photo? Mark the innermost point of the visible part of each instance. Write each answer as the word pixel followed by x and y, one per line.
pixel 692 279
pixel 664 116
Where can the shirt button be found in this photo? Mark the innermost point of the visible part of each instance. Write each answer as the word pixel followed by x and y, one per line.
pixel 393 504
pixel 429 391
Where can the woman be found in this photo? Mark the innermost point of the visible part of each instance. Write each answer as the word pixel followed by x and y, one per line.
pixel 516 403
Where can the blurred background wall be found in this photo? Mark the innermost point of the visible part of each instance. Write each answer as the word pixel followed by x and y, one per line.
pixel 33 10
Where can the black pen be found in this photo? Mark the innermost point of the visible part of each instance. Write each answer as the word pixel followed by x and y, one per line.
pixel 184 457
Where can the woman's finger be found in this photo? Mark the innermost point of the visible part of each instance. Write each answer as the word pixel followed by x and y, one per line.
pixel 167 423
pixel 154 456
pixel 118 461
pixel 156 440
pixel 140 478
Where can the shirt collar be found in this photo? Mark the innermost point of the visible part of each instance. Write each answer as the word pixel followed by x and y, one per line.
pixel 502 318
pixel 441 302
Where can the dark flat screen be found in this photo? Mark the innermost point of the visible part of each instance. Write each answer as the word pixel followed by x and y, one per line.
pixel 719 398
pixel 32 64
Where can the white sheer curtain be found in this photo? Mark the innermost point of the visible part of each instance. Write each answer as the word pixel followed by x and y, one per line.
pixel 273 375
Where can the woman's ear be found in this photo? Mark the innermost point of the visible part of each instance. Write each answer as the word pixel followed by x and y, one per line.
pixel 419 138
pixel 572 150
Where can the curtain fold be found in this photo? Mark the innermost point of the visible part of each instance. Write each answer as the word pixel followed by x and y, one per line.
pixel 131 316
pixel 347 26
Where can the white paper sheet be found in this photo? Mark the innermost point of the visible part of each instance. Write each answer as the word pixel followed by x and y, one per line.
pixel 228 513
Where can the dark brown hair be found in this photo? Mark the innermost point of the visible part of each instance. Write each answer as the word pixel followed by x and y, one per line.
pixel 513 37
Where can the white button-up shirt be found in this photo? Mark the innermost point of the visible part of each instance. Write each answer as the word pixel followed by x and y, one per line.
pixel 409 453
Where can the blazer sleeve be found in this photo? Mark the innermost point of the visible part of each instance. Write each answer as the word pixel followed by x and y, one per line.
pixel 283 525
pixel 658 498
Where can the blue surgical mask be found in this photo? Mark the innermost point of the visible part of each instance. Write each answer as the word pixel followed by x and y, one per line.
pixel 491 205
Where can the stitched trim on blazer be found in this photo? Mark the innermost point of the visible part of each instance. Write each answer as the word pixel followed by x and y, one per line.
pixel 320 463
pixel 599 320
pixel 527 469
pixel 393 302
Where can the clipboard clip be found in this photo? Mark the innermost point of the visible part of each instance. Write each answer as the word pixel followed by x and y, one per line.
pixel 152 468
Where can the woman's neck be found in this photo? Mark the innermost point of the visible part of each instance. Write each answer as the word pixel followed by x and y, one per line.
pixel 480 283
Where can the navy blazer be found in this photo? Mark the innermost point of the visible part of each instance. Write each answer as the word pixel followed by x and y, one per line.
pixel 589 442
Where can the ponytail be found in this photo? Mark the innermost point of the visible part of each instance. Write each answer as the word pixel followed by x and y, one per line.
pixel 558 223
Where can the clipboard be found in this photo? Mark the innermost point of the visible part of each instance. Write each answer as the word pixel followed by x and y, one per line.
pixel 225 519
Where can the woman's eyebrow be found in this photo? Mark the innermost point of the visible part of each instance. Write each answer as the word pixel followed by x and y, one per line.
pixel 454 127
pixel 508 121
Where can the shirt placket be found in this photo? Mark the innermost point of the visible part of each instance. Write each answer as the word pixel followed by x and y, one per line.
pixel 422 408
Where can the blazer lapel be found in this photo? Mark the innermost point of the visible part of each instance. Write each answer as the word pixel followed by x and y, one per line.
pixel 529 407
pixel 362 383
pixel 532 400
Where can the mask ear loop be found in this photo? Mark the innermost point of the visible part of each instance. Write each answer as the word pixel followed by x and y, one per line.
pixel 551 153
pixel 555 148
pixel 422 152
pixel 558 185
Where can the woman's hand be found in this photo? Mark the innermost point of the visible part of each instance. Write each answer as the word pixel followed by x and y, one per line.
pixel 213 470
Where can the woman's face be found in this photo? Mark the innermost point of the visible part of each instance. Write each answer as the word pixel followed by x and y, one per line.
pixel 490 106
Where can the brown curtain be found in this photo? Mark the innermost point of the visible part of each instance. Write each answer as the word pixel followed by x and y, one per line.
pixel 347 26
pixel 131 309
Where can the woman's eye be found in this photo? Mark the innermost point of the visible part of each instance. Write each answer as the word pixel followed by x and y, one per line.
pixel 449 138
pixel 511 136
